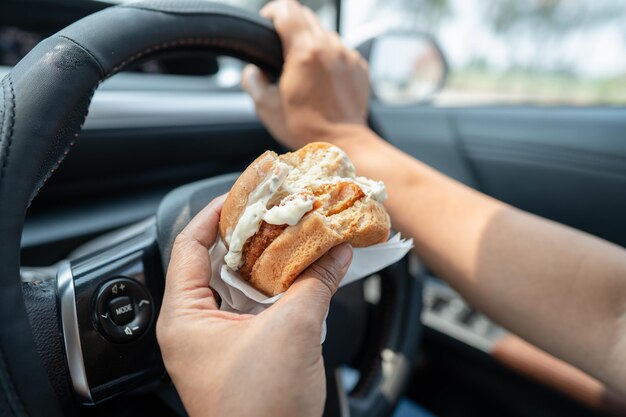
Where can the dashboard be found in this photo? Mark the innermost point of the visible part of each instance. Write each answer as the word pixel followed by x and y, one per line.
pixel 145 135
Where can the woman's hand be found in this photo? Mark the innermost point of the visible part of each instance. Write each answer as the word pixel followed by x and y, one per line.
pixel 226 364
pixel 324 87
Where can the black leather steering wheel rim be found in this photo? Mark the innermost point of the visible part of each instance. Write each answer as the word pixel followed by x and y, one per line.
pixel 44 102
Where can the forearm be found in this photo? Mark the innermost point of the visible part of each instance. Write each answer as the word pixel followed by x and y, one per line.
pixel 559 288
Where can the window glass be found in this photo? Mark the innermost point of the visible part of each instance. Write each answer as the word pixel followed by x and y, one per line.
pixel 548 52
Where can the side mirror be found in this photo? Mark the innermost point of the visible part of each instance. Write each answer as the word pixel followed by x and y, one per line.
pixel 406 68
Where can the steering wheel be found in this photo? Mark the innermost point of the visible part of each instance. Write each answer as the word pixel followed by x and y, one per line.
pixel 86 333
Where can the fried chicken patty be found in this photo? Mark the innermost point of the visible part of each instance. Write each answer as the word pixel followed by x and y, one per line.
pixel 330 199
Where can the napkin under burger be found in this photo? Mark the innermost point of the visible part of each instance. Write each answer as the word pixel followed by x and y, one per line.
pixel 286 211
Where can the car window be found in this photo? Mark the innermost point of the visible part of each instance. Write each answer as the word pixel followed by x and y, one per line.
pixel 545 52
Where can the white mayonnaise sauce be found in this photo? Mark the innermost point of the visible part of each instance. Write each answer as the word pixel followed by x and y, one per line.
pixel 251 218
pixel 291 210
pixel 318 175
pixel 372 189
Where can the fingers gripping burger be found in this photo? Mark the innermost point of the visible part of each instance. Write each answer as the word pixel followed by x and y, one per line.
pixel 284 212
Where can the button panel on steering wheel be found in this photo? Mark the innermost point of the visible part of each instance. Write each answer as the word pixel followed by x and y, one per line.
pixel 116 306
pixel 123 309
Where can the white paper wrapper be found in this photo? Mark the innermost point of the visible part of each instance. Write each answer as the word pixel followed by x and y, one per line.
pixel 239 296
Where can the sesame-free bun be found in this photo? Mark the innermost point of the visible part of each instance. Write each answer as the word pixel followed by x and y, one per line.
pixel 273 258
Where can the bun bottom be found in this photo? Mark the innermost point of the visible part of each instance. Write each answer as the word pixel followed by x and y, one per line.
pixel 296 248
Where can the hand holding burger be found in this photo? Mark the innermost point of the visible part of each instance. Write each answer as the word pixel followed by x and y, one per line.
pixel 220 362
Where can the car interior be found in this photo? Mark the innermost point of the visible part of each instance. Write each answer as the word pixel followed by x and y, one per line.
pixel 169 127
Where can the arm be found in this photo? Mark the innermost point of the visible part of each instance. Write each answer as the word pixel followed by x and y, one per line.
pixel 559 288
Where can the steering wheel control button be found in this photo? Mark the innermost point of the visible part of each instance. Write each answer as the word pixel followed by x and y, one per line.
pixel 123 309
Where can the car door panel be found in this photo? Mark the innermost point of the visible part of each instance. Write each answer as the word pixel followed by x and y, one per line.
pixel 427 134
pixel 566 164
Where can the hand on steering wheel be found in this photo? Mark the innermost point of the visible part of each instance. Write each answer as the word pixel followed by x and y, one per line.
pixel 324 85
pixel 237 365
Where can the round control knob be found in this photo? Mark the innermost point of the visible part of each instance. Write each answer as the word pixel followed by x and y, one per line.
pixel 123 310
